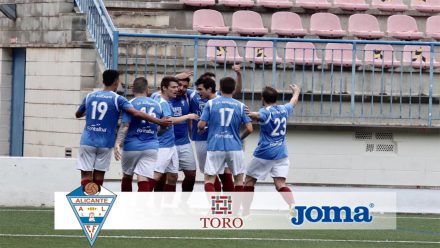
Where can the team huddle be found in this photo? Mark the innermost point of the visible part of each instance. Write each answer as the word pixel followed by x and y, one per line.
pixel 153 141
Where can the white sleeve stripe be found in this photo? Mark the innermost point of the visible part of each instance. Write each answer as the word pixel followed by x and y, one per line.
pixel 116 103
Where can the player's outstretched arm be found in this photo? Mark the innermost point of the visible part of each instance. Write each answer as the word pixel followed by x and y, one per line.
pixel 120 140
pixel 239 85
pixel 295 94
pixel 254 116
pixel 146 117
pixel 180 119
pixel 248 129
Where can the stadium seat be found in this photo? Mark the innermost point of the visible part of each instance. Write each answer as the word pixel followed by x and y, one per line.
pixel 223 51
pixel 275 4
pixel 431 6
pixel 380 56
pixel 237 3
pixel 340 55
pixel 261 52
pixel 302 53
pixel 286 23
pixel 326 25
pixel 389 5
pixel 246 22
pixel 351 4
pixel 403 27
pixel 313 4
pixel 208 21
pixel 364 26
pixel 433 27
pixel 418 57
pixel 198 3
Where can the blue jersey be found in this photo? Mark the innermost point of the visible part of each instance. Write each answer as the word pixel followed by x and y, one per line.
pixel 142 135
pixel 180 107
pixel 273 121
pixel 166 140
pixel 196 106
pixel 224 116
pixel 102 110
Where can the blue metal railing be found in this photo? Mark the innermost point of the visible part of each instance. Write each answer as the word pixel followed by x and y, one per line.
pixel 102 30
pixel 355 91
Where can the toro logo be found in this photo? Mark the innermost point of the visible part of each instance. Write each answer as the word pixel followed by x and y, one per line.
pixel 221 205
pixel 328 214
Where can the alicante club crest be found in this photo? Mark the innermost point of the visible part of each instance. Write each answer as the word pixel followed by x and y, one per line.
pixel 91 207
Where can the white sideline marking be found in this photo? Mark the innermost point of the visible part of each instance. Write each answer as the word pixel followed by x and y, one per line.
pixel 26 210
pixel 215 238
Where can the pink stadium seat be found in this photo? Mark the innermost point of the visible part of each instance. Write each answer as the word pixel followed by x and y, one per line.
pixel 364 26
pixel 313 4
pixel 389 5
pixel 223 51
pixel 286 23
pixel 418 57
pixel 302 53
pixel 198 3
pixel 351 4
pixel 237 3
pixel 246 22
pixel 431 6
pixel 326 25
pixel 403 27
pixel 380 56
pixel 433 27
pixel 208 21
pixel 340 55
pixel 275 4
pixel 261 52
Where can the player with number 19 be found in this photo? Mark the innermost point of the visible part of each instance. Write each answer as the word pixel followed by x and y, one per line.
pixel 102 109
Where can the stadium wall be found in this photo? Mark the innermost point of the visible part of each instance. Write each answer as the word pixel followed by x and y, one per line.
pixel 5 99
pixel 57 79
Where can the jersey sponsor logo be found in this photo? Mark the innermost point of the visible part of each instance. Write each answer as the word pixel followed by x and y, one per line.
pixel 177 111
pixel 96 129
pixel 332 214
pixel 91 208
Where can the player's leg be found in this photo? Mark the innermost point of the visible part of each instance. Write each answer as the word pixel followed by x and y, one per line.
pixel 234 159
pixel 227 180
pixel 128 163
pixel 249 188
pixel 172 169
pixel 187 164
pixel 102 164
pixel 145 170
pixel 215 162
pixel 201 153
pixel 279 174
pixel 164 157
pixel 85 163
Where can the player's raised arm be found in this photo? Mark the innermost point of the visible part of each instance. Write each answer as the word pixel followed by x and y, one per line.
pixel 185 74
pixel 146 117
pixel 295 94
pixel 239 85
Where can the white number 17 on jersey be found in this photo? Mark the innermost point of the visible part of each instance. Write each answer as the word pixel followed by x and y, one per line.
pixel 225 122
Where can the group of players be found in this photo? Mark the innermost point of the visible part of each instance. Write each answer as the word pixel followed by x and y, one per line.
pixel 154 135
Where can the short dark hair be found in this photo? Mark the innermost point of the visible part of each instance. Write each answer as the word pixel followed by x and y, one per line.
pixel 140 85
pixel 109 77
pixel 207 74
pixel 166 82
pixel 207 83
pixel 227 85
pixel 270 94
